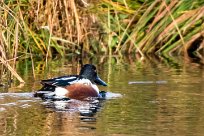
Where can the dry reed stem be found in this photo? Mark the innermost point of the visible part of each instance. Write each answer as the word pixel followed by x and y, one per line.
pixel 3 55
pixel 176 25
pixel 16 43
pixel 125 32
pixel 13 72
pixel 161 14
pixel 79 33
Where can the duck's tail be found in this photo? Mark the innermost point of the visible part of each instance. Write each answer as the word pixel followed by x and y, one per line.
pixel 47 88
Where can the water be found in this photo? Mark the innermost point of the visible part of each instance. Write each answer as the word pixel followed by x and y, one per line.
pixel 159 98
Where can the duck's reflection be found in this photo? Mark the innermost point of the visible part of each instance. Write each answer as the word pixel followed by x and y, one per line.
pixel 72 116
pixel 86 109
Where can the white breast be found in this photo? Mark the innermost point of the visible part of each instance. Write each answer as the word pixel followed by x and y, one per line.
pixel 95 88
pixel 60 91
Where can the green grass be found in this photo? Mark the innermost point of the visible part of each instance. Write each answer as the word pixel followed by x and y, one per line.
pixel 160 27
pixel 50 28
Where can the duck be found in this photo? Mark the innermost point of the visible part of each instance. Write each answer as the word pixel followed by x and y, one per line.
pixel 79 87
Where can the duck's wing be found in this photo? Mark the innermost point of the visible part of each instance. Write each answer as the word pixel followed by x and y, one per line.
pixel 49 85
pixel 60 81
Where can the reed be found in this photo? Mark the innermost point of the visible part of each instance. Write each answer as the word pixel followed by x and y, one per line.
pixel 61 27
pixel 159 27
pixel 44 28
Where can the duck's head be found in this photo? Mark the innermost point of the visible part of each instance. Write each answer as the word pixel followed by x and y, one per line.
pixel 88 71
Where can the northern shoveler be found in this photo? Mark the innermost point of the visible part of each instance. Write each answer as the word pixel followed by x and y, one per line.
pixel 78 87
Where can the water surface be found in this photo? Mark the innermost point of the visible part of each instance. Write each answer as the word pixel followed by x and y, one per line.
pixel 159 97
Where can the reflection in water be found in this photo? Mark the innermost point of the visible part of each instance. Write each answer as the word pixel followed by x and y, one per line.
pixel 72 116
pixel 85 108
pixel 21 114
pixel 159 97
pixel 60 117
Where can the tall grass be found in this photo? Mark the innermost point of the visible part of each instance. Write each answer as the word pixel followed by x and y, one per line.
pixel 160 26
pixel 60 27
pixel 45 28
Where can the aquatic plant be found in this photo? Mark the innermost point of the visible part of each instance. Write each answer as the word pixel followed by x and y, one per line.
pixel 160 27
pixel 49 28
pixel 43 28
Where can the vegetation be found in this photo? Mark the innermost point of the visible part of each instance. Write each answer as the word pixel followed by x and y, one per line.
pixel 47 28
pixel 161 26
